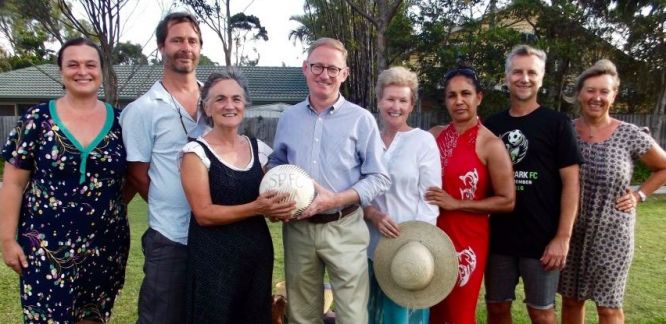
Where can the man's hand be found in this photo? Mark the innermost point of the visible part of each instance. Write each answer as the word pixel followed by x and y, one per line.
pixel 324 200
pixel 13 255
pixel 555 255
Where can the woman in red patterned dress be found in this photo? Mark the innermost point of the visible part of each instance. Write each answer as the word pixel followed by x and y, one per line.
pixel 477 179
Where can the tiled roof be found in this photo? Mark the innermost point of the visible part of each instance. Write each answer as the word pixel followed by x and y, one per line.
pixel 267 84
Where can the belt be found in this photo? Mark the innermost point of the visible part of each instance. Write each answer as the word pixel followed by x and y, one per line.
pixel 326 218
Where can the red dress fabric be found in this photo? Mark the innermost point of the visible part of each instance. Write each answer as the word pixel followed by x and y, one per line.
pixel 464 177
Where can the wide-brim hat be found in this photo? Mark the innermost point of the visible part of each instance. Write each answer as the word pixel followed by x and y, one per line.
pixel 419 268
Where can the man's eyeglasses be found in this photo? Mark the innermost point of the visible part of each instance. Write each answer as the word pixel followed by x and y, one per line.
pixel 332 71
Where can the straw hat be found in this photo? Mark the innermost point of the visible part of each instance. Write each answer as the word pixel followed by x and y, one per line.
pixel 419 268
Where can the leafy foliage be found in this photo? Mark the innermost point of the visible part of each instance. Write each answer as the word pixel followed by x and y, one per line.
pixel 205 60
pixel 432 36
pixel 357 24
pixel 128 54
pixel 234 31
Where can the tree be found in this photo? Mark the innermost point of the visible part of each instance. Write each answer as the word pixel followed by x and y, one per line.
pixel 380 20
pixel 337 19
pixel 643 25
pixel 26 37
pixel 205 60
pixel 128 54
pixel 4 61
pixel 103 17
pixel 232 30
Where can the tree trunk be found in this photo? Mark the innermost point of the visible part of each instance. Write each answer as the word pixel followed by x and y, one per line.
pixel 382 26
pixel 110 85
pixel 657 124
pixel 227 49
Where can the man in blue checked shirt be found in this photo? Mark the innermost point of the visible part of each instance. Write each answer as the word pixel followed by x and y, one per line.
pixel 338 144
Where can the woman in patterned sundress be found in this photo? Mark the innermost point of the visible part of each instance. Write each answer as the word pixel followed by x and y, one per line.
pixel 602 242
pixel 63 222
pixel 477 179
pixel 230 249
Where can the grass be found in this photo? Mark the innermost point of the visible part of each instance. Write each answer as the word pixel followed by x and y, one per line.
pixel 645 300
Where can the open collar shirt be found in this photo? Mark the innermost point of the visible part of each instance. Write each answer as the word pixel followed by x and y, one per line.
pixel 339 148
pixel 152 133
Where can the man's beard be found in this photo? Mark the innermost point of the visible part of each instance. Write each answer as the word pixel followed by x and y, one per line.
pixel 172 63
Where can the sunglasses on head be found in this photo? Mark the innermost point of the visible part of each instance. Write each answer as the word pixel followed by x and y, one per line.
pixel 464 71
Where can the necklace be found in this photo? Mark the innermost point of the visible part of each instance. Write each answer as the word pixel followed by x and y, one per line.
pixel 600 131
pixel 180 115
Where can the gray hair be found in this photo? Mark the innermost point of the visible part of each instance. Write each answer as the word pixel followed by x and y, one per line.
pixel 525 50
pixel 397 76
pixel 215 77
pixel 328 42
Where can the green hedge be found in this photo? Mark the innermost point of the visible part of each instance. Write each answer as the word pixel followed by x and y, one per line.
pixel 641 173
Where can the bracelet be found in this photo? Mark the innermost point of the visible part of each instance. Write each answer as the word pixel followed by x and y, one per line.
pixel 641 195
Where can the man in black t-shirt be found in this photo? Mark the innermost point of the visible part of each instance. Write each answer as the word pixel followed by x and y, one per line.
pixel 532 242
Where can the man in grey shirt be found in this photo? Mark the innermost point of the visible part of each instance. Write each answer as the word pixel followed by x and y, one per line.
pixel 339 146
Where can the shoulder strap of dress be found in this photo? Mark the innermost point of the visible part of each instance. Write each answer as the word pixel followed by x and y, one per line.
pixel 209 154
pixel 255 150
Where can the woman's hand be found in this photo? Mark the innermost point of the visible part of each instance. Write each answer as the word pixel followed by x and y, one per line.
pixel 13 255
pixel 384 224
pixel 627 202
pixel 439 197
pixel 275 206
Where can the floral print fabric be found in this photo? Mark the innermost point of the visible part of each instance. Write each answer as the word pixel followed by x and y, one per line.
pixel 73 224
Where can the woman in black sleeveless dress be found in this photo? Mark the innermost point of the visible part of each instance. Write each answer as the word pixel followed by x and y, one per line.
pixel 230 247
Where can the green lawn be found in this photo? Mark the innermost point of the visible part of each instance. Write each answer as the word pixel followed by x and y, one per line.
pixel 645 300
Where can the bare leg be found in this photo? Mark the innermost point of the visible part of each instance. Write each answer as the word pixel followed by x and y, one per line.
pixel 499 313
pixel 573 311
pixel 610 315
pixel 542 316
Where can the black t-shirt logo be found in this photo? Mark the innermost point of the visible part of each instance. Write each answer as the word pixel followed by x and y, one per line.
pixel 516 143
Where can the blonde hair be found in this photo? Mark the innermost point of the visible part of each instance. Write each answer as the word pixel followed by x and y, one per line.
pixel 328 42
pixel 397 76
pixel 601 67
pixel 525 50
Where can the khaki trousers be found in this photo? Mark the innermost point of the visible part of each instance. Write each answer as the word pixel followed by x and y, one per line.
pixel 339 247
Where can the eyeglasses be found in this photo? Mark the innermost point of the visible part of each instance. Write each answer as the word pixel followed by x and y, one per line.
pixel 332 71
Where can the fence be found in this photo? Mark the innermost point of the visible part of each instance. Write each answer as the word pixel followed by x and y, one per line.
pixel 263 126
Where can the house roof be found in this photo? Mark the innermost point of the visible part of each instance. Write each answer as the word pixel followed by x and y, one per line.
pixel 266 84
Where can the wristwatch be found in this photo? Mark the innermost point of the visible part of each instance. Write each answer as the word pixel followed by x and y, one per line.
pixel 641 195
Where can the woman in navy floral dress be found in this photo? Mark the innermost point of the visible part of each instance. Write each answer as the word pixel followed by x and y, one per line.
pixel 63 177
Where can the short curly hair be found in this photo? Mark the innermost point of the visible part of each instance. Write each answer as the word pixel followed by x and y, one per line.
pixel 397 76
